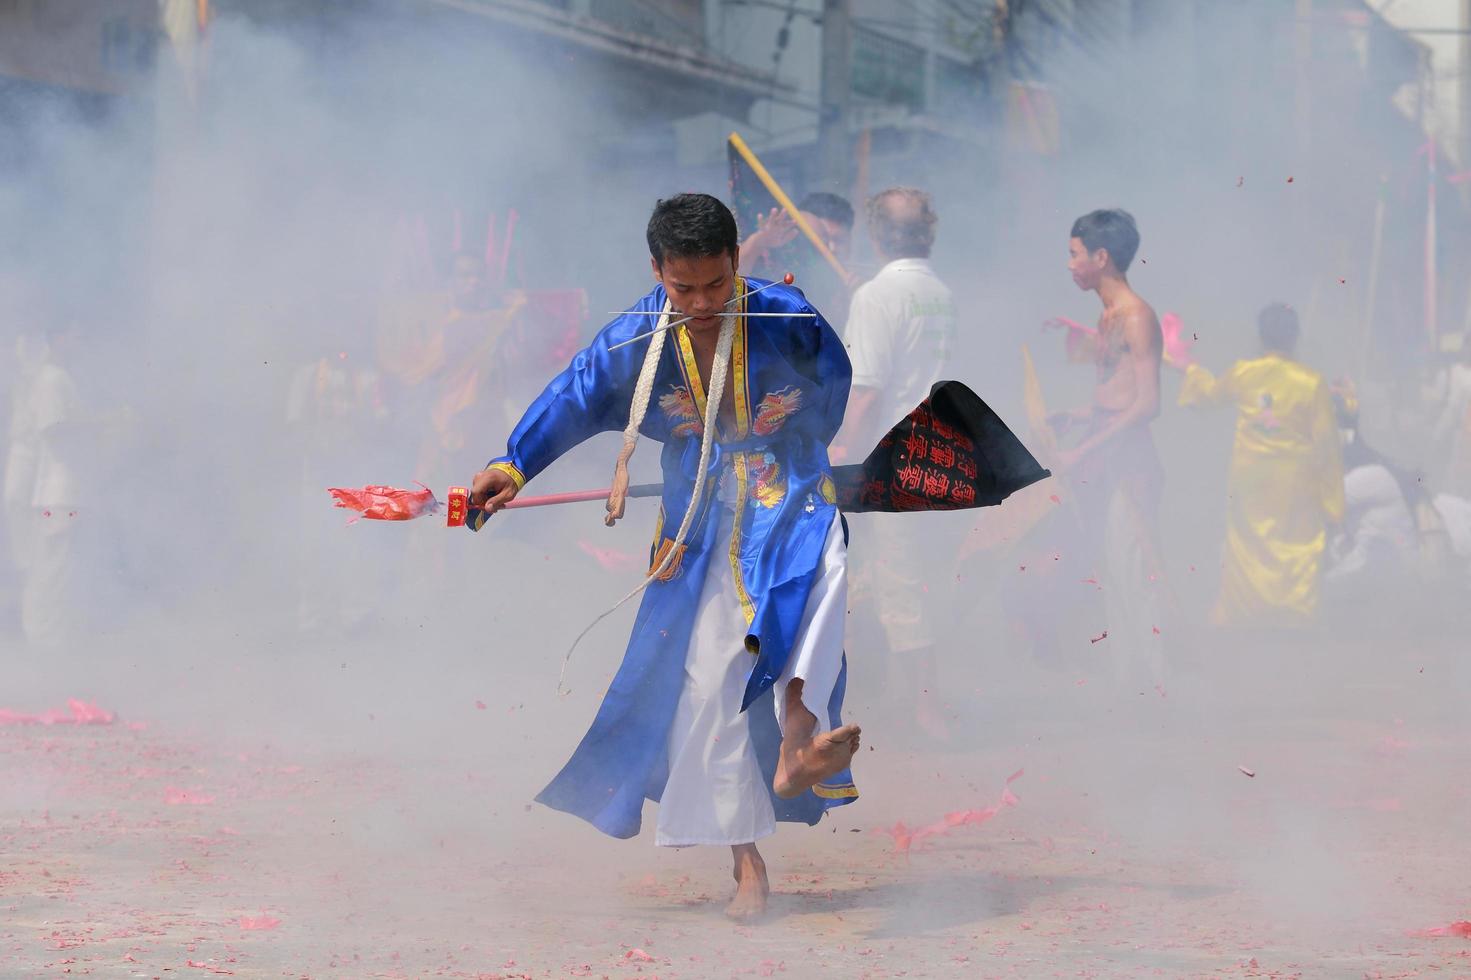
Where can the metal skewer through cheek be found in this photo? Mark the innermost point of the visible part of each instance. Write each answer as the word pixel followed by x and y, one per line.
pixel 785 280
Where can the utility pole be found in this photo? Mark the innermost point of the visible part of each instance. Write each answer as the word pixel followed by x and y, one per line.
pixel 833 152
pixel 1464 71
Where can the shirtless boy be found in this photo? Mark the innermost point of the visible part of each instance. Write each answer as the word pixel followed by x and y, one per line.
pixel 1113 466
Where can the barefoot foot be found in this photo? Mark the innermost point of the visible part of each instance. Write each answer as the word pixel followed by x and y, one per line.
pixel 752 887
pixel 805 762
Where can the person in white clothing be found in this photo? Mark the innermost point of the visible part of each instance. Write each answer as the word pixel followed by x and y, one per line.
pixel 22 449
pixel 44 489
pixel 900 335
pixel 1451 432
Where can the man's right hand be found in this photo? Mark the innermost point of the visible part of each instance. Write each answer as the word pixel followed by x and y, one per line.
pixel 491 490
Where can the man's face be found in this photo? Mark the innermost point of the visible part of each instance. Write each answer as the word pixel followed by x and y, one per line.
pixel 839 237
pixel 1086 267
pixel 699 286
pixel 469 283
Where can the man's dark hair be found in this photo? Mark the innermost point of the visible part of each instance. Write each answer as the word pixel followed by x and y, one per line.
pixel 1111 229
pixel 902 222
pixel 1277 326
pixel 829 207
pixel 691 225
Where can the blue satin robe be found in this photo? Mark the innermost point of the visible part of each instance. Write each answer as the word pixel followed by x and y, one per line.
pixel 790 381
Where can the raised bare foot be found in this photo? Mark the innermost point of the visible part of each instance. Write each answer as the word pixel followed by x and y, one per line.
pixel 752 888
pixel 805 762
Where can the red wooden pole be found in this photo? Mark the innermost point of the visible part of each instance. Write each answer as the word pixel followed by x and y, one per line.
pixel 581 496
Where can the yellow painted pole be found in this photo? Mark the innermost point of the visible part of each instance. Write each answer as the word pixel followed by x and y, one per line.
pixel 1036 406
pixel 786 202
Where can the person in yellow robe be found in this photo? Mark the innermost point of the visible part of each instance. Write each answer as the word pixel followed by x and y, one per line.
pixel 1286 480
pixel 437 353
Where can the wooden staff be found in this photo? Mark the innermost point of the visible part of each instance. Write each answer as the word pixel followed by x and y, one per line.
pixel 786 202
pixel 1005 465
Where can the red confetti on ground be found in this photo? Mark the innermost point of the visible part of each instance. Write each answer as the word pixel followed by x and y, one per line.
pixel 1055 499
pixel 386 503
pixel 638 954
pixel 480 705
pixel 174 796
pixel 1246 772
pixel 259 923
pixel 1290 179
pixel 904 837
pixel 1461 929
pixel 78 713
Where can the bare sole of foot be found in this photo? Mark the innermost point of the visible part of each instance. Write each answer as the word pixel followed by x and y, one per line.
pixel 752 890
pixel 803 763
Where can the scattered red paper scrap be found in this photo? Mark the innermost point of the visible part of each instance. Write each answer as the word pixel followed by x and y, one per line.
pixel 1246 772
pixel 904 837
pixel 260 923
pixel 610 559
pixel 639 955
pixel 1461 928
pixel 480 705
pixel 78 713
pixel 386 503
pixel 1055 499
pixel 174 796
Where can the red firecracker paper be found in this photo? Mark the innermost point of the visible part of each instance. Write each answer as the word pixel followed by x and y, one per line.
pixel 459 506
pixel 386 503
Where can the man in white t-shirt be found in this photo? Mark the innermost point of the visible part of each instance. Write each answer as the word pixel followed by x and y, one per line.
pixel 901 323
pixel 900 335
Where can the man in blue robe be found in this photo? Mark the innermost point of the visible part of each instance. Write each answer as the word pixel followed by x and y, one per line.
pixel 726 709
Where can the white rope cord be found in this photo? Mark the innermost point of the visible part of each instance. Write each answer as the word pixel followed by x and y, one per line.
pixel 643 392
pixel 719 368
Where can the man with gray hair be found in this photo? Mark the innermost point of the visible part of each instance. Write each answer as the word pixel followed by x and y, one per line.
pixel 900 334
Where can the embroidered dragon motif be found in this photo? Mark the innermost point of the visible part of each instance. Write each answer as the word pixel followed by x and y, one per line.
pixel 775 409
pixel 679 407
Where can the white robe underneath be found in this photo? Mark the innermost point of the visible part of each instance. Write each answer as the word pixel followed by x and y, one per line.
pixel 716 793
